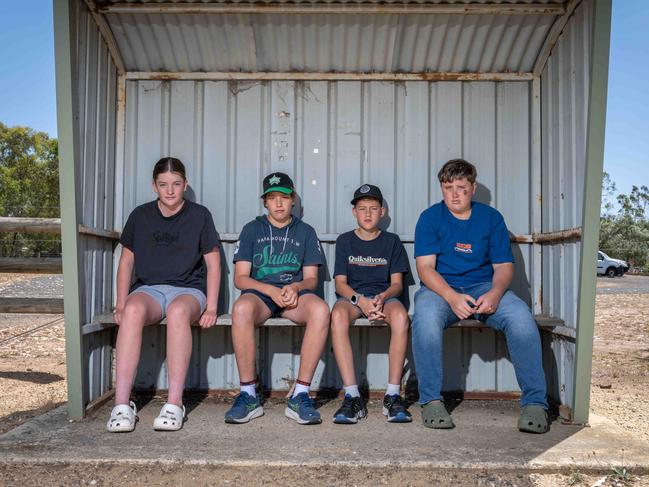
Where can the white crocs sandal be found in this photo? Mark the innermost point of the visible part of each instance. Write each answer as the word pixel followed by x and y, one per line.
pixel 122 418
pixel 171 418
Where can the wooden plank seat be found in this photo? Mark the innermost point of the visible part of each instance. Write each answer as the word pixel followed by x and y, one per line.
pixel 545 323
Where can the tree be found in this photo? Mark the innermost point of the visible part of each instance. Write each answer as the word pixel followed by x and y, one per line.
pixel 29 187
pixel 625 235
pixel 608 190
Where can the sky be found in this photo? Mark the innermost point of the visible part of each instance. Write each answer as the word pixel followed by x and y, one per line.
pixel 28 95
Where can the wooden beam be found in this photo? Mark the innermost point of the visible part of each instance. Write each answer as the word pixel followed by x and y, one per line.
pixel 99 232
pixel 32 305
pixel 553 37
pixel 30 225
pixel 31 265
pixel 323 76
pixel 107 36
pixel 107 320
pixel 332 8
pixel 567 235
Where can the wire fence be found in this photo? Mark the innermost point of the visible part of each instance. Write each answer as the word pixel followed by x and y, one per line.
pixel 26 245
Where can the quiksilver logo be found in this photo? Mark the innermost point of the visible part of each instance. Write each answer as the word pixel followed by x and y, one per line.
pixel 360 260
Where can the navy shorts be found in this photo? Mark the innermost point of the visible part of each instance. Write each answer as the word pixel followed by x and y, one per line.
pixel 275 310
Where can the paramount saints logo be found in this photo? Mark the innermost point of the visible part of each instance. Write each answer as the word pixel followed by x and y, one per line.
pixel 274 180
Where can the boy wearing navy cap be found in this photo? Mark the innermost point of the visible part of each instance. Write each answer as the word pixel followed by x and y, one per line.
pixel 276 268
pixel 368 273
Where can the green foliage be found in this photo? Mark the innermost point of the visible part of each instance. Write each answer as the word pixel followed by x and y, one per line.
pixel 621 476
pixel 575 478
pixel 29 187
pixel 625 235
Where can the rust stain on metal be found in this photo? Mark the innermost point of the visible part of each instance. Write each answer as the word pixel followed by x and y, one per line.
pixel 556 237
pixel 330 76
pixel 230 7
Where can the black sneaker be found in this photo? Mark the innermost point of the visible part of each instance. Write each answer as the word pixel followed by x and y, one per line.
pixel 351 410
pixel 394 408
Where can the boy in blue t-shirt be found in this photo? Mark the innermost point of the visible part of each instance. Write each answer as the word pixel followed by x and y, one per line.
pixel 276 268
pixel 465 265
pixel 369 269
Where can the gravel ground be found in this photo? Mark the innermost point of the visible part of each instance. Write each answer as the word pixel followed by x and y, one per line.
pixel 176 475
pixel 34 286
pixel 623 285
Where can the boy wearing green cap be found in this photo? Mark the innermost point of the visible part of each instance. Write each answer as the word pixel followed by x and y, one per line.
pixel 276 269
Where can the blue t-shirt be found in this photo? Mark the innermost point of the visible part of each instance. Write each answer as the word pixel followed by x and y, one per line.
pixel 278 254
pixel 465 249
pixel 368 264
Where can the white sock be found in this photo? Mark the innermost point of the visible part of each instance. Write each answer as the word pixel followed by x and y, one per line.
pixel 392 389
pixel 250 389
pixel 352 391
pixel 299 388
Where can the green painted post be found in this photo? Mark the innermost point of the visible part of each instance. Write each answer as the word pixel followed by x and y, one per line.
pixel 601 35
pixel 65 120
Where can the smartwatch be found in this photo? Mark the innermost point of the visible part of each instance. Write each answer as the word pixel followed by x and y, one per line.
pixel 355 299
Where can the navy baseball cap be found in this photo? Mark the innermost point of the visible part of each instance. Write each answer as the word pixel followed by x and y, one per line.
pixel 368 191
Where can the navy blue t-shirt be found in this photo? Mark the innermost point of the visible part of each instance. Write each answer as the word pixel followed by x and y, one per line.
pixel 465 249
pixel 169 250
pixel 368 264
pixel 278 254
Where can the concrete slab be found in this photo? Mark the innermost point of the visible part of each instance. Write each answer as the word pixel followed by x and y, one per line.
pixel 485 438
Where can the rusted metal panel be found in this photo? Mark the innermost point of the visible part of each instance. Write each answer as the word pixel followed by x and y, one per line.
pixel 564 109
pixel 564 98
pixel 345 7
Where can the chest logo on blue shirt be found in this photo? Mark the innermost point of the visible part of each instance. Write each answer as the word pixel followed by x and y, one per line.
pixel 367 261
pixel 463 248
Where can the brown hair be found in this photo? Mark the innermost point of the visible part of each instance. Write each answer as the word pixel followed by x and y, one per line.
pixel 169 164
pixel 457 169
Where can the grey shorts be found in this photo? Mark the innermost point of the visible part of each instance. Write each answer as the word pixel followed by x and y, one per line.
pixel 165 294
pixel 389 300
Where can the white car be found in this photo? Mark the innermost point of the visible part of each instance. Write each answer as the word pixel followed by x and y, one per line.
pixel 606 266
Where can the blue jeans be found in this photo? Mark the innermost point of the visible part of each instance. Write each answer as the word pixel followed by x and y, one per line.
pixel 513 317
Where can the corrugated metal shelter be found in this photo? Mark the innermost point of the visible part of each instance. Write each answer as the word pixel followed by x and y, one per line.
pixel 336 93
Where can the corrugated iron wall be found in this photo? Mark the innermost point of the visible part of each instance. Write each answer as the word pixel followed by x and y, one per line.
pixel 333 136
pixel 95 111
pixel 329 42
pixel 564 113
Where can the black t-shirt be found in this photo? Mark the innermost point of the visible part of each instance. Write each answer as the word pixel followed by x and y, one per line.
pixel 169 250
pixel 368 264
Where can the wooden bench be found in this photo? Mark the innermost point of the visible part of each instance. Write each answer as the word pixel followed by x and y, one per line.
pixel 545 323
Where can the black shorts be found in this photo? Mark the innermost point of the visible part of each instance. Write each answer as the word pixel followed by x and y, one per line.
pixel 275 310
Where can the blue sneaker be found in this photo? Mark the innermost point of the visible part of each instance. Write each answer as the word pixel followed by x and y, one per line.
pixel 394 408
pixel 244 409
pixel 301 409
pixel 351 410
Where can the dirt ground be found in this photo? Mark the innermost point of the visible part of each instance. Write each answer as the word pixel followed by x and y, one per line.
pixel 32 380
